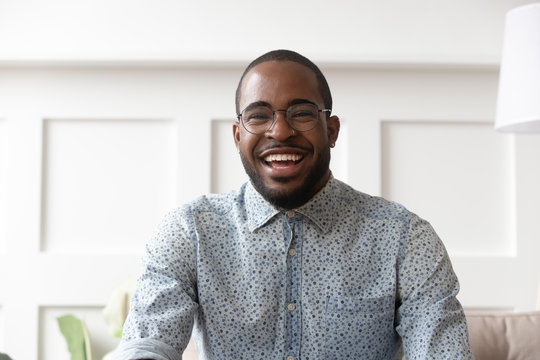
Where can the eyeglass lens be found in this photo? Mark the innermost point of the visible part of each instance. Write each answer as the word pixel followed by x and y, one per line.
pixel 301 117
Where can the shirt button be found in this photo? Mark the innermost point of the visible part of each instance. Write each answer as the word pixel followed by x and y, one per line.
pixel 291 307
pixel 290 357
pixel 290 214
pixel 292 252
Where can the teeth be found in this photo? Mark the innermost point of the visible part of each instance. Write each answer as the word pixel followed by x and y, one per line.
pixel 282 157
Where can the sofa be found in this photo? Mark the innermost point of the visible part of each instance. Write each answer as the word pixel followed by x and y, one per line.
pixel 504 336
pixel 493 336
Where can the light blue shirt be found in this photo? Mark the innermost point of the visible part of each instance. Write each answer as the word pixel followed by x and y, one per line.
pixel 345 276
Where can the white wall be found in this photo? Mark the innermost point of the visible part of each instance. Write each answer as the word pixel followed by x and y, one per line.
pixel 111 113
pixel 464 31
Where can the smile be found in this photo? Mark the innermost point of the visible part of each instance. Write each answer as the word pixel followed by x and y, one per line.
pixel 282 157
pixel 283 164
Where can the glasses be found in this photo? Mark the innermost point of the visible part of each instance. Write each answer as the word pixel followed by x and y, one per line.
pixel 259 119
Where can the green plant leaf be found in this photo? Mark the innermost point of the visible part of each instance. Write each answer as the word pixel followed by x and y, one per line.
pixel 87 345
pixel 75 334
pixel 4 357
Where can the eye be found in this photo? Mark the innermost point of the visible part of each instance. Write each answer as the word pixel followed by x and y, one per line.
pixel 257 115
pixel 303 113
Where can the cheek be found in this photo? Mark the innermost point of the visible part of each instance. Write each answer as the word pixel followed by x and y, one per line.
pixel 246 144
pixel 319 142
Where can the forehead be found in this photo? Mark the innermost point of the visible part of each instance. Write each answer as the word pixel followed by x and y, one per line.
pixel 279 82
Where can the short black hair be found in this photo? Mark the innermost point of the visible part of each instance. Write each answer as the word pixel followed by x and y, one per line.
pixel 288 55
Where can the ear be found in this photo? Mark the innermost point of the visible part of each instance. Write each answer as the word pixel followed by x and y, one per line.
pixel 236 134
pixel 332 129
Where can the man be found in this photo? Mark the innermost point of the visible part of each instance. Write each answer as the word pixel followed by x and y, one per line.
pixel 295 264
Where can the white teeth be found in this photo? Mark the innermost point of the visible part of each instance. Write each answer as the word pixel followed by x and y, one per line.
pixel 282 157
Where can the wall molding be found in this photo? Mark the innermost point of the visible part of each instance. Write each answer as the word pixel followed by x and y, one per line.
pixel 220 63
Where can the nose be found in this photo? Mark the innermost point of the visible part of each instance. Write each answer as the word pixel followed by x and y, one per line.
pixel 280 130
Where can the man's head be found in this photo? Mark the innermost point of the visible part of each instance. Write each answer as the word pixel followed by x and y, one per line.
pixel 285 165
pixel 287 55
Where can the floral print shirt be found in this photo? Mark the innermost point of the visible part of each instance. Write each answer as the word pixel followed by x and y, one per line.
pixel 344 276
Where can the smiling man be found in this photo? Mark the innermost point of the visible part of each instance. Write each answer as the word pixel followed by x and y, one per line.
pixel 295 264
pixel 285 134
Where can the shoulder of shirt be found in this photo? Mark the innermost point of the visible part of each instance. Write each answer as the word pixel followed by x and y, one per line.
pixel 216 203
pixel 373 206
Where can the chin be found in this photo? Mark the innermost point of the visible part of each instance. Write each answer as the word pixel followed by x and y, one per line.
pixel 283 193
pixel 285 199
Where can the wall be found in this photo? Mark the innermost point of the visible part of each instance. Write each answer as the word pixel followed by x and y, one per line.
pixel 424 31
pixel 113 113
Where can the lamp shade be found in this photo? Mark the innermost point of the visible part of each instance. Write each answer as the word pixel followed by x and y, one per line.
pixel 518 105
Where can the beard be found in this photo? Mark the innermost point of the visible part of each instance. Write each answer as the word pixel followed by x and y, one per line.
pixel 293 198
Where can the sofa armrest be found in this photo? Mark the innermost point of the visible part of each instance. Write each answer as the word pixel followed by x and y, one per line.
pixel 505 336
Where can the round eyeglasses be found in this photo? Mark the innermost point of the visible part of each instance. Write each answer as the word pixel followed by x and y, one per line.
pixel 258 119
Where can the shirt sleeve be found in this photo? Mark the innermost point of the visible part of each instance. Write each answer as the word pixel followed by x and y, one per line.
pixel 430 320
pixel 163 306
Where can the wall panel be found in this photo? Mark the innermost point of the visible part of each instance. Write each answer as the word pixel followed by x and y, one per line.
pixel 340 155
pixel 458 173
pixel 3 183
pixel 107 183
pixel 227 172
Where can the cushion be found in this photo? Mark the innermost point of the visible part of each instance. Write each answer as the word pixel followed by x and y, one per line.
pixel 505 336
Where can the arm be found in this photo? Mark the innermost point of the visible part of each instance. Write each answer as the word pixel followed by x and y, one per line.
pixel 430 320
pixel 162 309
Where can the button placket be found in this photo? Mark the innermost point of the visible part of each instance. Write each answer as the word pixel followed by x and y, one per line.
pixel 294 270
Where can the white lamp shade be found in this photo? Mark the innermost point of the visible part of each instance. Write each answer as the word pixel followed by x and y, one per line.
pixel 518 105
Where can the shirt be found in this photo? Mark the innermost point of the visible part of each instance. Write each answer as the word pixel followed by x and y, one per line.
pixel 344 276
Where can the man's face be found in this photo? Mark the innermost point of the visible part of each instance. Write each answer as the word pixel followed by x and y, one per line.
pixel 286 166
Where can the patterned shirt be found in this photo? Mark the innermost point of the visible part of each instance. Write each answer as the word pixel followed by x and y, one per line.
pixel 344 276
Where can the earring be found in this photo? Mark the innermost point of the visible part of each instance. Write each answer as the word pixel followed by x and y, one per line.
pixel 332 145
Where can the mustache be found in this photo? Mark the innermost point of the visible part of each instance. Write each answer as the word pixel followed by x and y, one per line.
pixel 277 145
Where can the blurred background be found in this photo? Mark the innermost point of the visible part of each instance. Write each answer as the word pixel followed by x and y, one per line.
pixel 114 112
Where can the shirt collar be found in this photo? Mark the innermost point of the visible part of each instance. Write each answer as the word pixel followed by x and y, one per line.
pixel 320 209
pixel 259 211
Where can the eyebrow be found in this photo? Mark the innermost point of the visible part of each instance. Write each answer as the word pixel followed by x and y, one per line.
pixel 256 104
pixel 290 103
pixel 301 101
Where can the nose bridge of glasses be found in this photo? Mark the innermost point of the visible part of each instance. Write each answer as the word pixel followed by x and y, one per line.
pixel 284 111
pixel 286 119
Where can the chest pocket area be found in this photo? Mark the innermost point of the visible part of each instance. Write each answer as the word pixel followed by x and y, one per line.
pixel 360 328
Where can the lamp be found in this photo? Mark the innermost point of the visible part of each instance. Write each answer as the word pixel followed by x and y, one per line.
pixel 518 105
